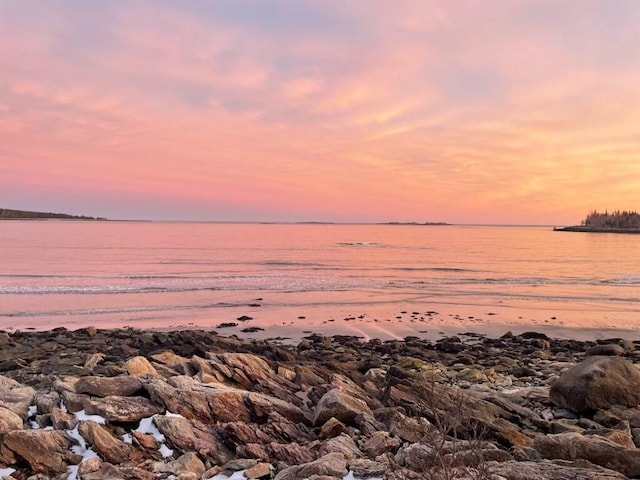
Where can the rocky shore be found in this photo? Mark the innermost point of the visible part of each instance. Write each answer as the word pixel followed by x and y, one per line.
pixel 131 404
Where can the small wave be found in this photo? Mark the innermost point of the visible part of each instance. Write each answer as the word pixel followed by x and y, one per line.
pixel 624 280
pixel 359 244
pixel 431 269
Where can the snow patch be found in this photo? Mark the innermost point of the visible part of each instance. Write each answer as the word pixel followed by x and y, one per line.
pixel 147 426
pixel 81 449
pixel 81 415
pixel 171 414
pixel 239 475
pixel 165 451
pixel 5 472
pixel 351 476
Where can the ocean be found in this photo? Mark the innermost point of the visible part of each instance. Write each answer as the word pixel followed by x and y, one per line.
pixel 385 281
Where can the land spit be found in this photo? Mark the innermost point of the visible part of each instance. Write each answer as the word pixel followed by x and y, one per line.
pixel 134 404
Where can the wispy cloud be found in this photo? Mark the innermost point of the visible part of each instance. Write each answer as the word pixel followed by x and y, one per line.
pixel 520 111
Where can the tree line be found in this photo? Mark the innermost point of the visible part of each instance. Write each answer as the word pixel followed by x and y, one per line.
pixel 618 219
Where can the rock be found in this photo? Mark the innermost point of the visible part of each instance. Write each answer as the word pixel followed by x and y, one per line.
pixel 111 472
pixel 121 409
pixel 188 435
pixel 595 449
pixel 333 464
pixel 611 349
pixel 332 428
pixel 46 402
pixel 259 470
pixel 140 367
pixel 62 420
pixel 597 382
pixel 15 396
pixel 106 445
pixel 89 466
pixel 551 470
pixel 407 428
pixel 343 444
pixel 217 402
pixel 188 462
pixel 379 443
pixel 365 468
pixel 9 420
pixel 46 451
pixel 290 453
pixel 93 361
pixel 471 375
pixel 125 386
pixel 341 405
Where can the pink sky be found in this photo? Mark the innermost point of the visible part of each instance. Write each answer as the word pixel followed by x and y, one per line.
pixel 460 111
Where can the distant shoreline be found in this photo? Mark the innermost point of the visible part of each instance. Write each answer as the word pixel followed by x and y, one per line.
pixel 578 228
pixel 9 214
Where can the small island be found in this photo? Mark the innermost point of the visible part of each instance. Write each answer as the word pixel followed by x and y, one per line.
pixel 8 214
pixel 614 222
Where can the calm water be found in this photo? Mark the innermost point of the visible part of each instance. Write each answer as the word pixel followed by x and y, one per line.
pixel 374 280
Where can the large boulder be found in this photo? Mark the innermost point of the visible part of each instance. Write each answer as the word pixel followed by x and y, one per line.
pixel 9 420
pixel 340 405
pixel 46 451
pixel 15 396
pixel 597 382
pixel 593 448
pixel 216 401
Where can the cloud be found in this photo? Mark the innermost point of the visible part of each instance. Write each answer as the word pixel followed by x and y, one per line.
pixel 460 111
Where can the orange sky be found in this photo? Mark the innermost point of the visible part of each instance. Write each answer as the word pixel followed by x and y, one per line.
pixel 459 111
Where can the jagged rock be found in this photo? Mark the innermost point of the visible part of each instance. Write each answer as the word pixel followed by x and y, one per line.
pixel 290 453
pixel 551 470
pixel 111 472
pixel 595 449
pixel 89 466
pixel 46 451
pixel 9 420
pixel 73 402
pixel 259 470
pixel 192 434
pixel 333 464
pixel 597 382
pixel 332 428
pixel 217 402
pixel 15 396
pixel 121 409
pixel 170 359
pixel 46 402
pixel 253 373
pixel 365 468
pixel 125 385
pixel 616 413
pixel 188 462
pixel 343 444
pixel 106 445
pixel 62 420
pixel 140 367
pixel 340 405
pixel 93 361
pixel 379 443
pixel 407 428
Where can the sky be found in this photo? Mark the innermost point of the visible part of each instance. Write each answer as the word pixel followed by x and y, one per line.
pixel 460 111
